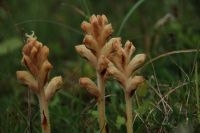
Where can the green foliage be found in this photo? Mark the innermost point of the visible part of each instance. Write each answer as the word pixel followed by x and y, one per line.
pixel 167 102
pixel 10 45
pixel 120 121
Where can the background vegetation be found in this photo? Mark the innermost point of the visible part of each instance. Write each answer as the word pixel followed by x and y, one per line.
pixel 167 102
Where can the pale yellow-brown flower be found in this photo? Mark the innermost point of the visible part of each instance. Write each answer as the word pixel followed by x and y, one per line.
pixel 122 67
pixel 35 58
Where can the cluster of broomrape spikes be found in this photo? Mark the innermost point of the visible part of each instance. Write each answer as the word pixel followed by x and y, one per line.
pixel 105 54
pixel 35 58
pixel 109 58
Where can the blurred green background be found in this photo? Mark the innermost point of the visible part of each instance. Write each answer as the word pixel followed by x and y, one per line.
pixel 167 102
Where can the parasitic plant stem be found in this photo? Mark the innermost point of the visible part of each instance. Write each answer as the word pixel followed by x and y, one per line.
pixel 44 113
pixel 129 114
pixel 101 103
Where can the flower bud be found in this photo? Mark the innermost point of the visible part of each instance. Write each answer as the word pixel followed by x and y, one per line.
pixel 90 86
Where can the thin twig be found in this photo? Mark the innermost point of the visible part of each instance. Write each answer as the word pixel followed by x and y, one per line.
pixel 161 97
pixel 50 22
pixel 166 95
pixel 170 53
pixel 172 90
pixel 137 114
pixel 158 88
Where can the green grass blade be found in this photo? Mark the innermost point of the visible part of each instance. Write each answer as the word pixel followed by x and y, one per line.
pixel 197 92
pixel 135 6
pixel 85 3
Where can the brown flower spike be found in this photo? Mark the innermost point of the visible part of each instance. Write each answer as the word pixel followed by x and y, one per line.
pixel 95 49
pixel 108 57
pixel 35 58
pixel 122 67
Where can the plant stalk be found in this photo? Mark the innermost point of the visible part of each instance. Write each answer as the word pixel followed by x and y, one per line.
pixel 29 112
pixel 101 104
pixel 197 92
pixel 129 114
pixel 44 112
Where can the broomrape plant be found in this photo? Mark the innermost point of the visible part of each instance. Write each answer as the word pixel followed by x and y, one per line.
pixel 122 67
pixel 95 49
pixel 108 57
pixel 35 58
